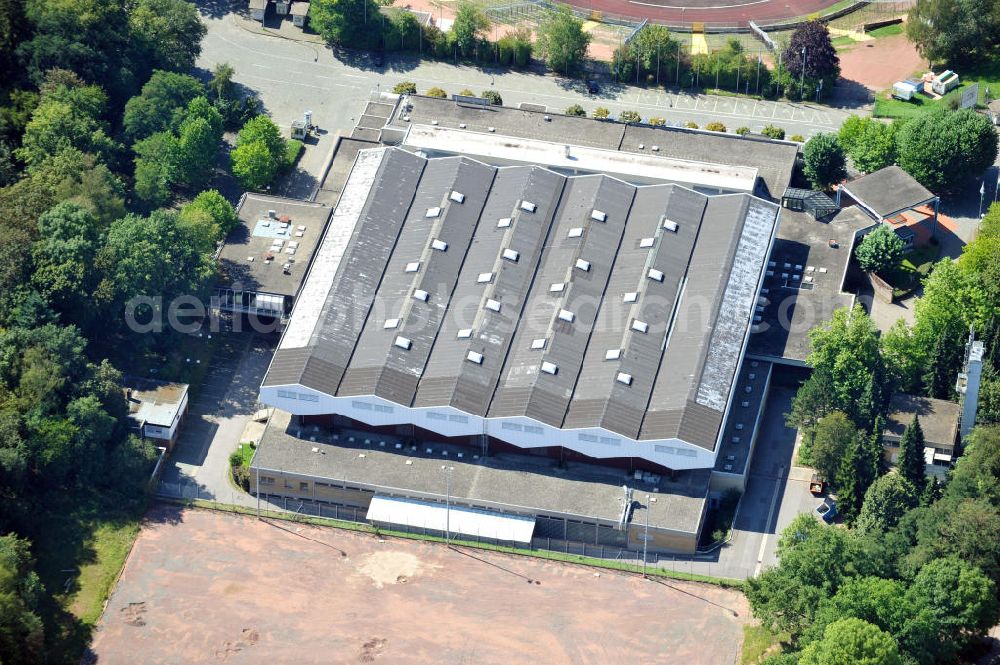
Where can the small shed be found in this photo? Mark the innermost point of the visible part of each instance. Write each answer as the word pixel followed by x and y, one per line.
pixel 938 421
pixel 300 13
pixel 893 196
pixel 156 408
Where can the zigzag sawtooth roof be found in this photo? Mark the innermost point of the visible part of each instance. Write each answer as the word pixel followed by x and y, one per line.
pixel 560 285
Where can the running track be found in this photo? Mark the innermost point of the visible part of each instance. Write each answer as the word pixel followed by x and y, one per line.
pixel 728 12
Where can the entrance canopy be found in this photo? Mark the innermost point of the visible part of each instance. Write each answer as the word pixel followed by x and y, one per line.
pixel 457 519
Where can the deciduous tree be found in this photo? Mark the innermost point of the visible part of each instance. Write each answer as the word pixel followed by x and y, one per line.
pixel 562 41
pixel 880 250
pixel 824 161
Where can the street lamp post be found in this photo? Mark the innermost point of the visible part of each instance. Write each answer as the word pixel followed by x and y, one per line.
pixel 802 79
pixel 447 504
pixel 645 539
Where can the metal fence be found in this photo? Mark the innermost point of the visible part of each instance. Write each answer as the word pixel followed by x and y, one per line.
pixel 287 508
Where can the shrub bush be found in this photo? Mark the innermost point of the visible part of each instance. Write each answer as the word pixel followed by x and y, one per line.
pixel 405 88
pixel 715 126
pixel 773 132
pixel 436 92
pixel 601 113
pixel 629 117
pixel 657 122
pixel 742 131
pixel 690 124
pixel 798 138
pixel 576 110
pixel 465 92
pixel 493 96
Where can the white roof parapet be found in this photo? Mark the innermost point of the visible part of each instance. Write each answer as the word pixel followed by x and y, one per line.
pixel 493 147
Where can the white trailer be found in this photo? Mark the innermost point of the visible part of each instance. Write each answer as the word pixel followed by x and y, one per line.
pixel 944 82
pixel 903 90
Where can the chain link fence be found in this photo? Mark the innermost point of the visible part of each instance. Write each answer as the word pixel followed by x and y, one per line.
pixel 287 508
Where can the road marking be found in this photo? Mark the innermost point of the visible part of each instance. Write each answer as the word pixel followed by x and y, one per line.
pixel 770 514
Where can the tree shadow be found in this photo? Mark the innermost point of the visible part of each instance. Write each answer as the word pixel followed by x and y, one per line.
pixel 219 8
pixel 850 95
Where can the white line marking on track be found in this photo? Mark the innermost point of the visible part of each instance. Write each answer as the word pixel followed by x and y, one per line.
pixel 656 4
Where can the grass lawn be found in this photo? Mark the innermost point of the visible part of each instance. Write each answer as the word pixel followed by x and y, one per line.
pixel 293 150
pixel 887 30
pixel 80 545
pixel 758 641
pixel 986 75
pixel 912 269
pixel 843 42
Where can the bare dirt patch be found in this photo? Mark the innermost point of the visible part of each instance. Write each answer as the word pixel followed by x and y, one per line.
pixel 879 63
pixel 207 587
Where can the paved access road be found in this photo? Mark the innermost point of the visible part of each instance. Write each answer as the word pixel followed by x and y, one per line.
pixel 292 76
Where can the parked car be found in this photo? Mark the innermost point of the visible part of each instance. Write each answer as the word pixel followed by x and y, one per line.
pixel 592 87
pixel 827 510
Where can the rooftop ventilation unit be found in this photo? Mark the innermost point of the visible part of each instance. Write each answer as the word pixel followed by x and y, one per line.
pixel 575 232
pixel 567 316
pixel 656 275
pixel 390 323
pixel 528 206
pixel 433 212
pixel 457 197
pixel 493 305
pixel 503 222
pixel 646 243
pixel 484 278
pixel 511 255
pixel 624 377
pixel 557 287
pixel 640 326
pixel 474 357
pixel 413 266
pixel 420 294
pixel 583 265
pixel 670 225
pixel 272 213
pixel 631 296
pixel 465 333
pixel 598 215
pixel 549 368
pixel 403 342
pixel 439 245
pixel 612 354
pixel 537 344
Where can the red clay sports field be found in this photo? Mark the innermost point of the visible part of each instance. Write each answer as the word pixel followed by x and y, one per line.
pixel 728 12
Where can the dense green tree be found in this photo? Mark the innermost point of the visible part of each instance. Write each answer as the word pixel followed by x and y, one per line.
pixel 264 130
pixel 64 259
pixel 346 23
pixel 469 26
pixel 847 349
pixel 813 400
pixel 157 163
pixel 855 475
pixel 911 462
pixel 254 165
pixel 209 217
pixel 943 149
pixel 824 160
pixel 886 501
pixel 961 598
pixel 161 98
pixel 944 362
pixel 869 142
pixel 63 120
pixel 852 642
pixel 197 147
pixel 835 434
pixel 21 630
pixel 562 40
pixel 169 32
pixel 966 528
pixel 954 32
pixel 880 249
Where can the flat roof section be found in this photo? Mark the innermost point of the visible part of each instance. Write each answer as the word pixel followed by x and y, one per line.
pixel 457 520
pixel 255 251
pixel 888 191
pixel 773 160
pixel 742 421
pixel 938 418
pixel 804 284
pixel 632 166
pixel 524 484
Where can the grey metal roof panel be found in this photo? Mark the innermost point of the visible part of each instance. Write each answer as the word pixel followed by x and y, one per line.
pixel 888 191
pixel 566 342
pixel 360 271
pixel 602 400
pixel 712 320
pixel 436 276
pixel 448 378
